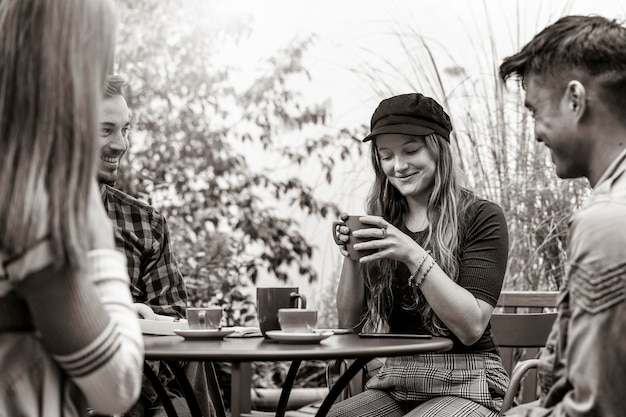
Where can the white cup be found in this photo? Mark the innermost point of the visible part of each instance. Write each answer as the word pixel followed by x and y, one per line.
pixel 203 318
pixel 297 320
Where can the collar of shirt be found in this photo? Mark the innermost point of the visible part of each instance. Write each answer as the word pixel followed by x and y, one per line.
pixel 617 168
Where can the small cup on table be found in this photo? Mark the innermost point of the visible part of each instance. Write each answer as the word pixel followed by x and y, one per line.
pixel 204 318
pixel 271 299
pixel 297 320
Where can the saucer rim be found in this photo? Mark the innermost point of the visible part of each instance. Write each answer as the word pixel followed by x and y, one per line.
pixel 203 333
pixel 282 336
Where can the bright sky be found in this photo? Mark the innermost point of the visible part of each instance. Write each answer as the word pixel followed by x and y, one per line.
pixel 352 31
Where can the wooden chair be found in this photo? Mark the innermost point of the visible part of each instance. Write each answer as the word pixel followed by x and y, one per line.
pixel 519 372
pixel 533 301
pixel 521 326
pixel 522 303
pixel 519 337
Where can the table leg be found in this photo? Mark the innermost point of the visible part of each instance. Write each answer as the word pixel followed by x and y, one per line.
pixel 156 383
pixel 341 383
pixel 214 389
pixel 185 386
pixel 287 386
pixel 240 401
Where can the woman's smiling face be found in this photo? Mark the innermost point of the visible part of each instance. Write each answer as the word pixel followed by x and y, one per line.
pixel 407 163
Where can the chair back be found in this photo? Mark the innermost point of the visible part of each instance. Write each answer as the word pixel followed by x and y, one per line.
pixel 532 301
pixel 520 327
pixel 521 330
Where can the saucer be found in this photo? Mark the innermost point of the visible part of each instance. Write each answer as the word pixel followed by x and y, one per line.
pixel 161 327
pixel 204 333
pixel 304 337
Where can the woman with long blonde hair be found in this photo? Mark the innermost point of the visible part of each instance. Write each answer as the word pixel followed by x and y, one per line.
pixel 437 267
pixel 69 337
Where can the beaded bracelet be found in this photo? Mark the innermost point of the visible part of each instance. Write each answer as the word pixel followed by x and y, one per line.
pixel 426 271
pixel 419 266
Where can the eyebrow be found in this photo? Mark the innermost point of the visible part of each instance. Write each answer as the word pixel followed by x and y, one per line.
pixel 113 124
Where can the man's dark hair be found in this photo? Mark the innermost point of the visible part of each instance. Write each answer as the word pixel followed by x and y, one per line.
pixel 114 86
pixel 592 44
pixel 576 46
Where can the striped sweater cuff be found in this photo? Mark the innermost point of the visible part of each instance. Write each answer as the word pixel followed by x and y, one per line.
pixel 106 263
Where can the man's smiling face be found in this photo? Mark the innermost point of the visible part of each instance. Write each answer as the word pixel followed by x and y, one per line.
pixel 114 127
pixel 556 127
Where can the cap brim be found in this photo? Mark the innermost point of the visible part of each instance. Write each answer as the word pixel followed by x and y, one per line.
pixel 412 130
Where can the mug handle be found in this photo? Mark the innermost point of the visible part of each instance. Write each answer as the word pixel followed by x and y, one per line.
pixel 301 297
pixel 202 319
pixel 335 236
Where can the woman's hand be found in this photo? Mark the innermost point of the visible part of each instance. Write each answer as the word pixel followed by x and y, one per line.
pixel 387 240
pixel 342 234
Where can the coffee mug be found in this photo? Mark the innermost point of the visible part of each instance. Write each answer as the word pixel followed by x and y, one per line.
pixel 297 320
pixel 270 299
pixel 353 224
pixel 204 318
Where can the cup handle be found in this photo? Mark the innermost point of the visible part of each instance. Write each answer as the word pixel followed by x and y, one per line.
pixel 335 236
pixel 301 297
pixel 202 319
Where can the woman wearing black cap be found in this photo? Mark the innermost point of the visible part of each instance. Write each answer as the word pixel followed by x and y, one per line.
pixel 440 259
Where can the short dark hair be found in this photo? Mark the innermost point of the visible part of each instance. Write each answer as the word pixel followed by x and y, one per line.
pixel 592 46
pixel 114 86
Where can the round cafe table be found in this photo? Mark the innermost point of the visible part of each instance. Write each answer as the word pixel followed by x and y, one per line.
pixel 172 349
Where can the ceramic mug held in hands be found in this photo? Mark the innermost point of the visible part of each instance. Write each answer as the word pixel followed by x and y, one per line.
pixel 353 223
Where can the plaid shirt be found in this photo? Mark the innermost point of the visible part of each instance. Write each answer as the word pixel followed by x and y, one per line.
pixel 142 234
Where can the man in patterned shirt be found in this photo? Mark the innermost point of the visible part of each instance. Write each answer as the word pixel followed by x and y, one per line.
pixel 574 74
pixel 140 230
pixel 142 234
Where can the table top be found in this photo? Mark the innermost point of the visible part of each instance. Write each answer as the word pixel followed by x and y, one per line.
pixel 348 346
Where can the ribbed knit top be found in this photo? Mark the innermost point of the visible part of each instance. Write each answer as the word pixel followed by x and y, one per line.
pixel 87 324
pixel 483 254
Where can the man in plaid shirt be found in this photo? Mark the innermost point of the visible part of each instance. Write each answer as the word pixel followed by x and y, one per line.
pixel 142 234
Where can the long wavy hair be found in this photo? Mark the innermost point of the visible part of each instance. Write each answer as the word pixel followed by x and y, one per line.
pixel 445 226
pixel 54 56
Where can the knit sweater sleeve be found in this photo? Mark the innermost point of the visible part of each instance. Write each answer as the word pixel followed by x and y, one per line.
pixel 87 323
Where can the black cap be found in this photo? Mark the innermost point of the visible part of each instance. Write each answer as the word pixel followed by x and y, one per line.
pixel 410 114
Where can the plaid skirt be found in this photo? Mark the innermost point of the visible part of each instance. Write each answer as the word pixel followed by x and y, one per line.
pixel 438 384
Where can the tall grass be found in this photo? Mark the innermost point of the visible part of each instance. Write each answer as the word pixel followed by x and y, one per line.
pixel 493 141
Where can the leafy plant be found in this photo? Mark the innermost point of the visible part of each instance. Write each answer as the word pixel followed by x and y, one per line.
pixel 192 130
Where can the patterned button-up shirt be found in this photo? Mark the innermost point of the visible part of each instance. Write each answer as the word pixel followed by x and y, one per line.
pixel 142 234
pixel 583 367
